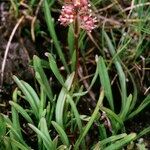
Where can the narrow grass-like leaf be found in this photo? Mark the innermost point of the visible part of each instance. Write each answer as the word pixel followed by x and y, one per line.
pixel 73 61
pixel 126 108
pixel 8 121
pixel 17 144
pixel 145 103
pixel 16 135
pixel 146 131
pixel 50 112
pixel 104 78
pixel 92 83
pixel 41 77
pixel 135 91
pixel 15 6
pixel 120 143
pixel 32 93
pixel 55 69
pixel 62 147
pixel 114 116
pixel 44 130
pixel 48 144
pixel 75 111
pixel 50 25
pixel 89 124
pixel 28 96
pixel 21 111
pixel 55 142
pixel 61 133
pixel 7 144
pixel 77 117
pixel 121 74
pixel 42 102
pixel 71 40
pixel 102 131
pixel 61 100
pixel 2 127
pixel 109 140
pixel 15 116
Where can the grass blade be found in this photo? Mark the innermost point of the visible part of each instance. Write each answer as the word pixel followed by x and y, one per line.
pixel 28 96
pixel 89 124
pixel 61 100
pixel 15 116
pixel 55 69
pixel 71 40
pixel 44 129
pixel 114 117
pixel 50 25
pixel 121 74
pixel 48 144
pixel 17 144
pixel 61 133
pixel 143 132
pixel 32 93
pixel 104 78
pixel 21 111
pixel 109 140
pixel 41 77
pixel 119 144
pixel 144 104
pixel 77 117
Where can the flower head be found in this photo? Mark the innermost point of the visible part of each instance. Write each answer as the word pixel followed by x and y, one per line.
pixel 67 15
pixel 80 9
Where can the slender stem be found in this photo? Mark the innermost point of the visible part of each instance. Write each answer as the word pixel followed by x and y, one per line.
pixel 76 34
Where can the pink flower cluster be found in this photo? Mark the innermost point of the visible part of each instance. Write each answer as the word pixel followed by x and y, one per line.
pixel 80 9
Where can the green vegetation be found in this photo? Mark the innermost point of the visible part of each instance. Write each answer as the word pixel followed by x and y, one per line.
pixel 88 84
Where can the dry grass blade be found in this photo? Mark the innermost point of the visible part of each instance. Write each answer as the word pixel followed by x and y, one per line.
pixel 7 49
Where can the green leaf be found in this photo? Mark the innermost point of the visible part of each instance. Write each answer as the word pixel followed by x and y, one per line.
pixel 44 129
pixel 126 108
pixel 15 116
pixel 104 78
pixel 48 143
pixel 2 127
pixel 71 40
pixel 50 25
pixel 16 134
pixel 17 144
pixel 144 103
pixel 114 117
pixel 61 100
pixel 109 140
pixel 41 77
pixel 32 93
pixel 146 131
pixel 61 133
pixel 28 95
pixel 89 124
pixel 21 111
pixel 54 68
pixel 121 74
pixel 120 143
pixel 77 117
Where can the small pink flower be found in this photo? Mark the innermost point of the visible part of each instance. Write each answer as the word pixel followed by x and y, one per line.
pixel 80 3
pixel 67 15
pixel 87 22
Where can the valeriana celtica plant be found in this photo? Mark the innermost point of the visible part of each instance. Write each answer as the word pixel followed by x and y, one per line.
pixel 78 13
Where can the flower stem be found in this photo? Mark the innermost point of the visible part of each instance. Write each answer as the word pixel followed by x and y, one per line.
pixel 76 34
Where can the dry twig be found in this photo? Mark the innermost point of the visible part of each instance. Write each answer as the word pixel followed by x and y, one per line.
pixel 7 49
